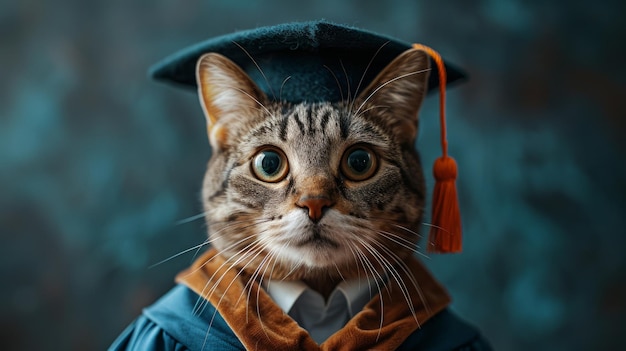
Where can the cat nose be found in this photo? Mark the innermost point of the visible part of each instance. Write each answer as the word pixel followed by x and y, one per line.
pixel 316 205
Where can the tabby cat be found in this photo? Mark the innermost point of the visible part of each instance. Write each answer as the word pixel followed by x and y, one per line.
pixel 318 192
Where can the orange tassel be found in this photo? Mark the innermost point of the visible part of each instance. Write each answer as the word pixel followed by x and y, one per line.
pixel 445 233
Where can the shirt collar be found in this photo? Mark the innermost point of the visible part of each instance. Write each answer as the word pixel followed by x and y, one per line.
pixel 285 292
pixel 357 293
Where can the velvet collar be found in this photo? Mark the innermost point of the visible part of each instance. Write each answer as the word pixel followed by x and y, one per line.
pixel 260 324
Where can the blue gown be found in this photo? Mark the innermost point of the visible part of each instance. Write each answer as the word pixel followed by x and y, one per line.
pixel 170 325
pixel 186 319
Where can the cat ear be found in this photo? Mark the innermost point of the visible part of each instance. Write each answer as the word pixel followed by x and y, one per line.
pixel 396 94
pixel 228 96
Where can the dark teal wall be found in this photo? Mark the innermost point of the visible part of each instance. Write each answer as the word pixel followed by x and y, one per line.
pixel 97 163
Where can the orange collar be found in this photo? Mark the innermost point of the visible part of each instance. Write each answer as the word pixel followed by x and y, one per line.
pixel 260 324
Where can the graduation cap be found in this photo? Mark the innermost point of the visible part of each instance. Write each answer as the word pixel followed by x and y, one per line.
pixel 321 61
pixel 315 55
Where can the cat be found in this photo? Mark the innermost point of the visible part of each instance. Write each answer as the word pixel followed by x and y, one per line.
pixel 314 189
pixel 321 193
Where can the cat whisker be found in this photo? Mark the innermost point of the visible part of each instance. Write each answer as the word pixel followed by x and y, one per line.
pixel 385 84
pixel 256 64
pixel 204 243
pixel 190 219
pixel 400 263
pixel 390 269
pixel 280 93
pixel 356 261
pixel 256 248
pixel 339 272
pixel 260 247
pixel 239 272
pixel 231 222
pixel 257 271
pixel 409 245
pixel 347 79
pixel 400 240
pixel 359 258
pixel 247 289
pixel 435 226
pixel 336 80
pixel 376 255
pixel 241 253
pixel 294 267
pixel 370 109
pixel 212 290
pixel 276 254
pixel 200 303
pixel 208 332
pixel 408 230
pixel 369 64
pixel 272 255
pixel 265 265
pixel 400 281
pixel 377 277
pixel 255 100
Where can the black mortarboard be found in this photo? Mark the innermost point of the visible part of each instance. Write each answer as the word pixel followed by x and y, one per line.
pixel 295 62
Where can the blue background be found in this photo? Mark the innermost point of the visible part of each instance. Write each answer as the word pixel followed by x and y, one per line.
pixel 97 163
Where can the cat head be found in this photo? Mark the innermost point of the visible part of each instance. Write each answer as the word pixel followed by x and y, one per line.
pixel 313 190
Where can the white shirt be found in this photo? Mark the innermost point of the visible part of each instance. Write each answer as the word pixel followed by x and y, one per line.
pixel 308 308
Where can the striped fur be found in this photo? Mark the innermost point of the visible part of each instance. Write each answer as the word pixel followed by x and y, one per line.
pixel 371 226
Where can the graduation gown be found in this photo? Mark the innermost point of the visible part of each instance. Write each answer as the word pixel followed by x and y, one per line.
pixel 213 308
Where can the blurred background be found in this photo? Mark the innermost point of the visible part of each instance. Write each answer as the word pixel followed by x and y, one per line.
pixel 98 163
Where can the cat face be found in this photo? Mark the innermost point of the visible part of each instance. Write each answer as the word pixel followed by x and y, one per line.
pixel 298 191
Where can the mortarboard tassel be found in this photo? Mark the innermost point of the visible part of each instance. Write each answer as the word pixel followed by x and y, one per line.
pixel 445 233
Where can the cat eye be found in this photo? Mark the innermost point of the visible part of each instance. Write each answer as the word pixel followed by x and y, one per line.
pixel 359 163
pixel 270 165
